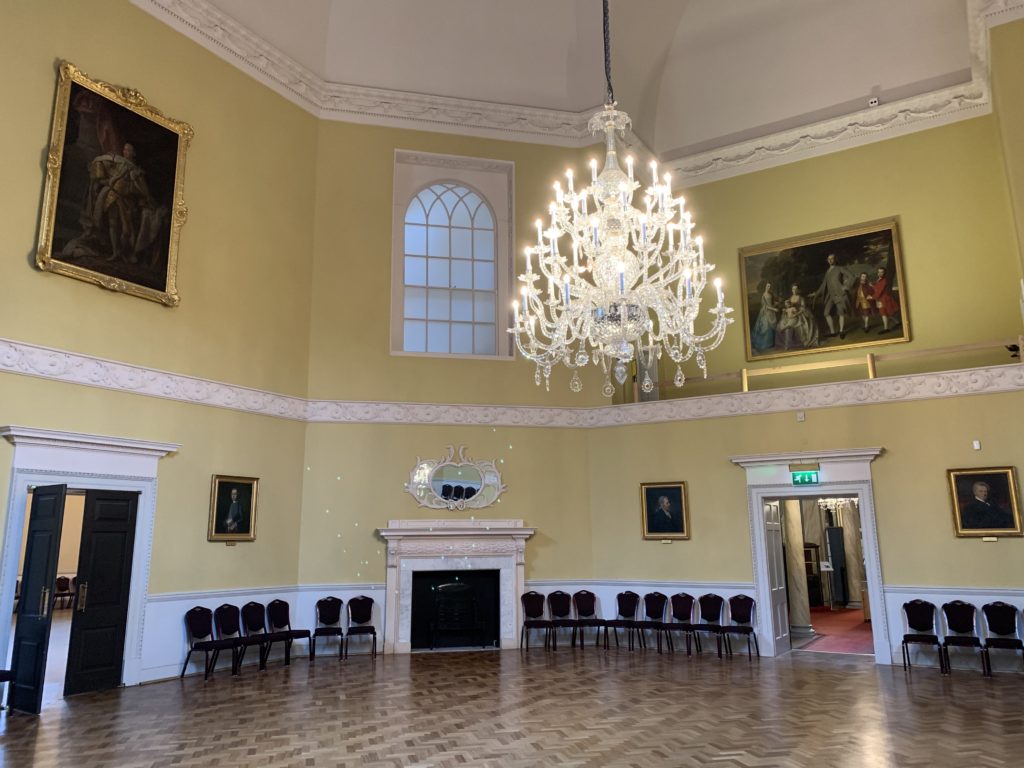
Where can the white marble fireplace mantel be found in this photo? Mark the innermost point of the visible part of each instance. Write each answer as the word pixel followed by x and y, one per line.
pixel 452 545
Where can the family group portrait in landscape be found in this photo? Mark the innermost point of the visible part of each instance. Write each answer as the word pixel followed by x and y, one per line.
pixel 831 290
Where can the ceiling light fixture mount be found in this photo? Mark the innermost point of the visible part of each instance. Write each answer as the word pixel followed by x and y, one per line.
pixel 628 286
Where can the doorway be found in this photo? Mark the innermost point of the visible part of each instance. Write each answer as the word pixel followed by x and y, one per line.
pixel 91 462
pixel 839 473
pixel 826 589
pixel 69 627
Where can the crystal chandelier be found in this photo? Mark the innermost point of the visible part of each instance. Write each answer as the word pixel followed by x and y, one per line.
pixel 626 283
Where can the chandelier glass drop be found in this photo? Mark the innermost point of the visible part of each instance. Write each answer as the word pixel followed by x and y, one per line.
pixel 607 282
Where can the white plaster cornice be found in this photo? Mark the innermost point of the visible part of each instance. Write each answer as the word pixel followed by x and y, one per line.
pixel 56 439
pixel 219 33
pixel 824 457
pixel 72 368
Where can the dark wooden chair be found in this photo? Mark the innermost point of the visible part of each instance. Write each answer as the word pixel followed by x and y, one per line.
pixel 278 615
pixel 682 621
pixel 710 619
pixel 1001 630
pixel 654 618
pixel 533 618
pixel 961 631
pixel 254 620
pixel 199 631
pixel 626 605
pixel 62 591
pixel 585 603
pixel 360 622
pixel 328 623
pixel 741 613
pixel 560 612
pixel 228 622
pixel 920 616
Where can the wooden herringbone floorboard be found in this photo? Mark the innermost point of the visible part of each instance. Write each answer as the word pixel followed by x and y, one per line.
pixel 586 710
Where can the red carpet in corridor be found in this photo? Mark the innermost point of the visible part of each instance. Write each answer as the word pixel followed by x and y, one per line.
pixel 840 631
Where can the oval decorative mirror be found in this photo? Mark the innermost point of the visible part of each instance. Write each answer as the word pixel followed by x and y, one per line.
pixel 450 483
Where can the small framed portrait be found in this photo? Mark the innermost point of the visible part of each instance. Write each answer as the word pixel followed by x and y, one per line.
pixel 985 501
pixel 840 289
pixel 233 508
pixel 664 510
pixel 113 205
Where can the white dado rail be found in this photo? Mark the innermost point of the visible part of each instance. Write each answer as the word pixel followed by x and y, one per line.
pixel 452 545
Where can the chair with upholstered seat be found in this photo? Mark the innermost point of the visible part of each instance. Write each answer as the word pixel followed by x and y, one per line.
pixel 533 618
pixel 560 613
pixel 682 620
pixel 62 591
pixel 741 613
pixel 654 618
pixel 199 628
pixel 1001 630
pixel 328 623
pixel 585 603
pixel 360 622
pixel 228 622
pixel 710 619
pixel 920 616
pixel 280 622
pixel 626 604
pixel 961 631
pixel 254 620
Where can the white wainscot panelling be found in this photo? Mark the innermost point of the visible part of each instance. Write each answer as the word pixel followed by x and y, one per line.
pixel 960 658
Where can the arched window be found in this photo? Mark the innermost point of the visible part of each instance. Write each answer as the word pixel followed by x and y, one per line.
pixel 449 273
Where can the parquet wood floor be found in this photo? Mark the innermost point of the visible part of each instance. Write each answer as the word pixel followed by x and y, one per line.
pixel 506 709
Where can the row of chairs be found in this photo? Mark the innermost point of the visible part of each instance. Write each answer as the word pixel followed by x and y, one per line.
pixel 999 630
pixel 578 612
pixel 229 628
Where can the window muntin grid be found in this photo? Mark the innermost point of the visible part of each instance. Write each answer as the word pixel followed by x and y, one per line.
pixel 449 278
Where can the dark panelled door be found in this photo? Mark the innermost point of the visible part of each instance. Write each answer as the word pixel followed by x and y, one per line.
pixel 32 633
pixel 96 646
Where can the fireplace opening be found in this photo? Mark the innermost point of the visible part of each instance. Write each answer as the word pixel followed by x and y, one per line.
pixel 455 609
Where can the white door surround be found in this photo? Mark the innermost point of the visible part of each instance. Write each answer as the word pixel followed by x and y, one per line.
pixel 82 461
pixel 843 472
pixel 452 545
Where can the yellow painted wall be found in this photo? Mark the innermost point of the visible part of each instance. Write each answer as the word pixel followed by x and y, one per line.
pixel 915 525
pixel 245 256
pixel 1008 98
pixel 349 348
pixel 213 440
pixel 946 185
pixel 355 477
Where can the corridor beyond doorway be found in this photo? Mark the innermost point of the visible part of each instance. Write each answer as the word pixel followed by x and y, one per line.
pixel 840 630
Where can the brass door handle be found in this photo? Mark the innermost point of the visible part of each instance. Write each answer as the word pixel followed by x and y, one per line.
pixel 44 602
pixel 83 593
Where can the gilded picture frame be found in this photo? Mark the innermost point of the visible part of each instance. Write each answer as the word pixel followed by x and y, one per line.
pixel 664 510
pixel 113 202
pixel 233 504
pixel 833 290
pixel 985 502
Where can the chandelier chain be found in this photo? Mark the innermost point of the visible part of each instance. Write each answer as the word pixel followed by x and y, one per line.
pixel 608 56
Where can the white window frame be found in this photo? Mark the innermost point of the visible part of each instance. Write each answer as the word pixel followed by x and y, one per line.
pixel 494 181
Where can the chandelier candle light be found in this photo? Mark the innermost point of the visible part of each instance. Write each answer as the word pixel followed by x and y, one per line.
pixel 628 284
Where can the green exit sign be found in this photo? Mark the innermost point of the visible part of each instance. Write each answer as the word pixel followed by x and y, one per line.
pixel 804 478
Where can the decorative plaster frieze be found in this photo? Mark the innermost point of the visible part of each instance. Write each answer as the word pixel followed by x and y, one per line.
pixel 71 368
pixel 232 41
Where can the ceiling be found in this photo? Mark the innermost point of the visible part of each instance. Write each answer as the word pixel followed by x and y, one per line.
pixel 696 76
